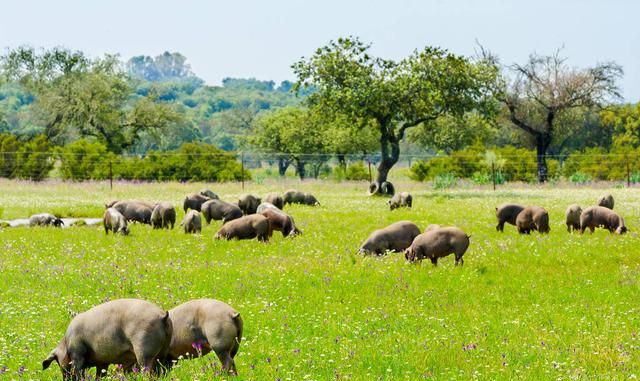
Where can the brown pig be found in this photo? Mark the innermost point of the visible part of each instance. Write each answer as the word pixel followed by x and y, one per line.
pixel 114 221
pixel 533 218
pixel 280 221
pixel 507 213
pixel 192 223
pixel 395 237
pixel 572 217
pixel 247 227
pixel 438 243
pixel 599 216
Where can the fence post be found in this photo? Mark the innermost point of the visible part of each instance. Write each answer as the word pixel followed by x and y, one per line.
pixel 493 174
pixel 242 168
pixel 110 174
pixel 369 161
pixel 628 175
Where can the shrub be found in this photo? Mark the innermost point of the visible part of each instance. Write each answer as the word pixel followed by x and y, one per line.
pixel 357 171
pixel 580 178
pixel 33 159
pixel 84 160
pixel 9 146
pixel 444 181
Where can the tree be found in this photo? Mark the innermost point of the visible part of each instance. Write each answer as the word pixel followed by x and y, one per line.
pixel 625 121
pixel 164 67
pixel 454 133
pixel 295 135
pixel 75 95
pixel 394 96
pixel 545 89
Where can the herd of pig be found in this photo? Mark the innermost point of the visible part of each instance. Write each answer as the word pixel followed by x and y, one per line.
pixel 134 332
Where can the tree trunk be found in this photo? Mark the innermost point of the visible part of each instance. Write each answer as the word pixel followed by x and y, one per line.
pixel 542 144
pixel 342 162
pixel 300 168
pixel 390 153
pixel 283 164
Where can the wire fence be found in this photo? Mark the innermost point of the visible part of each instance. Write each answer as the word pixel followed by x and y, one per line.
pixel 497 169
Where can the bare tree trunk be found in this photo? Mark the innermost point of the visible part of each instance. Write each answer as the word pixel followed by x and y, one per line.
pixel 342 162
pixel 542 144
pixel 389 157
pixel 283 164
pixel 300 168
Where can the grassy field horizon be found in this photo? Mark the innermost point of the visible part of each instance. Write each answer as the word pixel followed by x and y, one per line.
pixel 557 306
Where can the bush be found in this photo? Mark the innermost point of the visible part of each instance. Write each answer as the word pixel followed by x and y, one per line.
pixel 357 171
pixel 444 181
pixel 580 178
pixel 34 160
pixel 84 160
pixel 9 146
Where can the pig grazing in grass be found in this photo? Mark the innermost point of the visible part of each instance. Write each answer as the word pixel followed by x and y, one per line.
pixel 209 193
pixel 606 200
pixel 125 331
pixel 204 325
pixel 533 218
pixel 293 196
pixel 247 227
pixel 194 201
pixel 599 216
pixel 572 217
pixel 438 242
pixel 248 203
pixel 163 216
pixel 134 210
pixel 45 219
pixel 275 199
pixel 507 213
pixel 395 237
pixel 220 210
pixel 280 221
pixel 114 221
pixel 399 200
pixel 192 223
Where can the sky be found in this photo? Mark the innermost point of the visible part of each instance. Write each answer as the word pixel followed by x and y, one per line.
pixel 261 39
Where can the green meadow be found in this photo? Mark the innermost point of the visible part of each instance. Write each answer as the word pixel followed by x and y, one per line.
pixel 557 306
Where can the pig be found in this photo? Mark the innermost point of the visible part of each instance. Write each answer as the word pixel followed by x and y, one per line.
pixel 220 210
pixel 266 205
pixel 209 193
pixel 572 217
pixel 395 237
pixel 204 325
pixel 280 221
pixel 134 210
pixel 192 223
pixel 432 227
pixel 194 201
pixel 45 219
pixel 122 331
pixel 248 203
pixel 402 199
pixel 293 196
pixel 533 218
pixel 163 216
pixel 600 216
pixel 247 227
pixel 606 200
pixel 439 243
pixel 275 199
pixel 114 221
pixel 507 213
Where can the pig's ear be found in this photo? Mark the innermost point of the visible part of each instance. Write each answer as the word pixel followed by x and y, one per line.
pixel 52 356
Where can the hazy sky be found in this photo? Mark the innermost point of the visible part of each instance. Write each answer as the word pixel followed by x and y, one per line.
pixel 262 39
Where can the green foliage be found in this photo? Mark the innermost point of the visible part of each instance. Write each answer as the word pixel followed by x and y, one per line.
pixel 84 160
pixel 164 67
pixel 34 159
pixel 625 121
pixel 599 164
pixel 580 178
pixel 357 171
pixel 444 181
pixel 9 145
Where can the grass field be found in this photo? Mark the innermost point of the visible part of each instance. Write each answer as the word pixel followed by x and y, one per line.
pixel 560 306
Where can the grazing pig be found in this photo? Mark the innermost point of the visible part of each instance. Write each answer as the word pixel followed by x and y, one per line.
pixel 275 199
pixel 163 216
pixel 599 216
pixel 110 204
pixel 134 210
pixel 438 243
pixel 293 196
pixel 533 218
pixel 606 200
pixel 395 237
pixel 507 213
pixel 123 331
pixel 248 203
pixel 114 221
pixel 204 325
pixel 210 194
pixel 45 219
pixel 402 199
pixel 220 210
pixel 194 201
pixel 572 217
pixel 280 221
pixel 432 227
pixel 247 227
pixel 192 223
pixel 266 205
